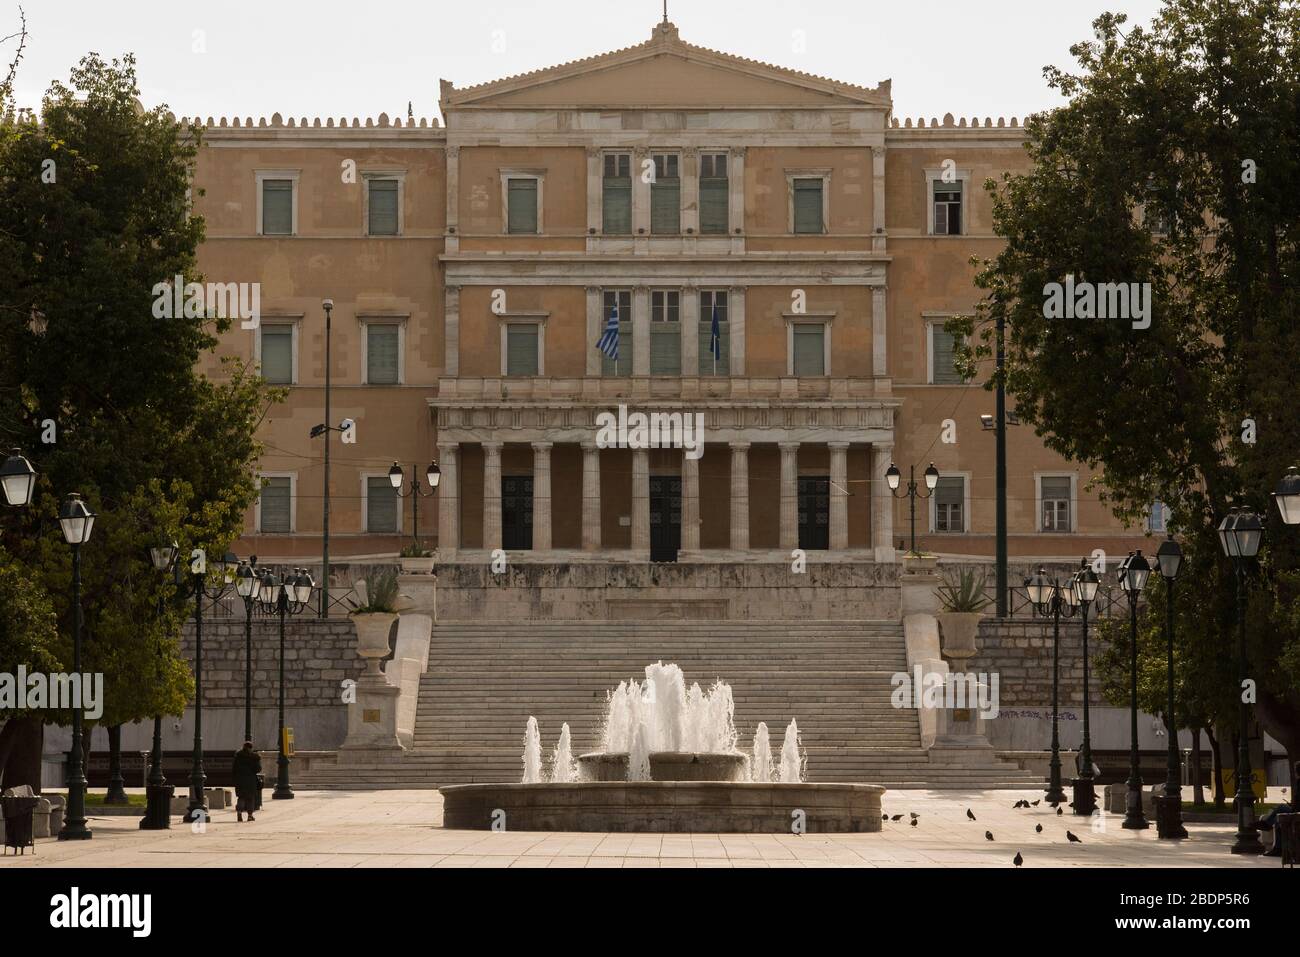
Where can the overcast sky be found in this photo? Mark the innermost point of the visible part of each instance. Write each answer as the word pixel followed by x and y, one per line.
pixel 329 58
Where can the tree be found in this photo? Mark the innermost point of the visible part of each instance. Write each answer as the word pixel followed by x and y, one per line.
pixel 1172 164
pixel 94 213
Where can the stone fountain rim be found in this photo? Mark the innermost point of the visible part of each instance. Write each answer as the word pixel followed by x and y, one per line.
pixel 710 785
pixel 666 757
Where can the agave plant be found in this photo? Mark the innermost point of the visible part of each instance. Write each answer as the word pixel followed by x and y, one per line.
pixel 376 593
pixel 963 591
pixel 415 550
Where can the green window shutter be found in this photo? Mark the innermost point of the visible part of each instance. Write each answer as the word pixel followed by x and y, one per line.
pixel 521 349
pixel 808 206
pixel 665 348
pixel 277 207
pixel 381 505
pixel 945 372
pixel 666 206
pixel 809 350
pixel 522 198
pixel 713 205
pixel 381 354
pixel 617 206
pixel 625 345
pixel 277 354
pixel 383 207
pixel 950 503
pixel 276 502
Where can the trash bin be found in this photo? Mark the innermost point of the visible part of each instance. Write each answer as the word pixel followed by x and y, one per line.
pixel 261 785
pixel 17 812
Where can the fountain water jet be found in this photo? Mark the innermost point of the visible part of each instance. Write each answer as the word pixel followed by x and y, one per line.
pixel 760 767
pixel 791 761
pixel 563 770
pixel 532 753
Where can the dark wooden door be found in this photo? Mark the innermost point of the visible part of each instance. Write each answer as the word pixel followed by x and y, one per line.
pixel 516 512
pixel 814 512
pixel 665 517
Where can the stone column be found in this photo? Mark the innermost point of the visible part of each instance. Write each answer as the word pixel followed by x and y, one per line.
pixel 448 501
pixel 736 320
pixel 692 361
pixel 789 495
pixel 879 330
pixel 590 497
pixel 878 199
pixel 452 240
pixel 839 496
pixel 541 496
pixel 882 512
pixel 595 326
pixel 451 338
pixel 736 202
pixel 595 171
pixel 690 504
pixel 739 496
pixel 641 503
pixel 640 331
pixel 491 495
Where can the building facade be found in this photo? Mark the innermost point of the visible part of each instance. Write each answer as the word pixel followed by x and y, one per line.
pixel 779 253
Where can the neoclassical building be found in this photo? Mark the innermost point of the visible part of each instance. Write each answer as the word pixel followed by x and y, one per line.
pixel 778 252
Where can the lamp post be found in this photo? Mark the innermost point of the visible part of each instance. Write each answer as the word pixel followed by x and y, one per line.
pixel 1169 813
pixel 328 306
pixel 433 475
pixel 1049 598
pixel 198 806
pixel 1287 496
pixel 1085 584
pixel 246 585
pixel 17 479
pixel 1239 535
pixel 1133 574
pixel 893 477
pixel 76 520
pixel 158 793
pixel 284 597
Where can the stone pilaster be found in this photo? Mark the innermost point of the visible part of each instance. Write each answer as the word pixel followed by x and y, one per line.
pixel 448 500
pixel 590 497
pixel 739 496
pixel 839 510
pixel 789 495
pixel 491 495
pixel 541 496
pixel 641 502
pixel 882 512
pixel 690 504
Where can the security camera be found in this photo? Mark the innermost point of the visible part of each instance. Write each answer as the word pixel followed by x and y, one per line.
pixel 327 303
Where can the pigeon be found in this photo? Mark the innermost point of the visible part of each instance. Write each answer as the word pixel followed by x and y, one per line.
pixel 1019 804
pixel 897 817
pixel 914 815
pixel 1059 812
pixel 913 822
pixel 1036 803
pixel 969 814
pixel 884 817
pixel 1038 828
pixel 1072 837
pixel 988 835
pixel 1017 860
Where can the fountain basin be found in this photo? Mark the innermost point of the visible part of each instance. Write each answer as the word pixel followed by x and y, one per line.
pixel 666 766
pixel 708 807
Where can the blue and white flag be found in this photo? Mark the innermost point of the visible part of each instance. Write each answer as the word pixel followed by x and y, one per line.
pixel 608 343
pixel 715 337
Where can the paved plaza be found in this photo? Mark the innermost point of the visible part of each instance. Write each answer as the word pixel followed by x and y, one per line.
pixel 403 829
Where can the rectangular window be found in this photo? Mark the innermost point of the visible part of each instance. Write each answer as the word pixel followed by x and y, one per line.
pixel 522 200
pixel 625 344
pixel 381 505
pixel 382 353
pixel 809 349
pixel 276 503
pixel 277 353
pixel 1055 494
pixel 616 216
pixel 1158 518
pixel 382 220
pixel 666 196
pixel 808 206
pixel 943 368
pixel 277 207
pixel 521 348
pixel 708 299
pixel 714 197
pixel 947 208
pixel 665 332
pixel 950 504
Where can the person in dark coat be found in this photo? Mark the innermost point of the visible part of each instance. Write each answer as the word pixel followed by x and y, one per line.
pixel 247 767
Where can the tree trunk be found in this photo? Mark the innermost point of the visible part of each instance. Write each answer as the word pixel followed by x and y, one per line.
pixel 21 743
pixel 1198 788
pixel 1216 769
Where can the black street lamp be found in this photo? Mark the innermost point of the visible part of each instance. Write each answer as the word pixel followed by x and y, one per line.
pixel 1169 809
pixel 17 479
pixel 433 475
pixel 1287 496
pixel 1239 534
pixel 246 586
pixel 1049 598
pixel 1133 574
pixel 158 793
pixel 287 597
pixel 893 477
pixel 76 521
pixel 1085 585
pixel 198 806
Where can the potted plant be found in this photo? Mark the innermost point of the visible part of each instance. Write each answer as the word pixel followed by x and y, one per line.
pixel 962 599
pixel 415 559
pixel 374 609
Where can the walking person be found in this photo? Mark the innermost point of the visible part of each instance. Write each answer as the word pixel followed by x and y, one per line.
pixel 247 769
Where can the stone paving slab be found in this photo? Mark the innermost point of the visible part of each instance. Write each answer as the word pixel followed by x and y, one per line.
pixel 345 829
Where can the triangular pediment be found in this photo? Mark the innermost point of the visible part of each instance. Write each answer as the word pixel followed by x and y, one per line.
pixel 665 73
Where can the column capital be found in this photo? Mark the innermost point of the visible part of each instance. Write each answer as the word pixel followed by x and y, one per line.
pixel 448 450
pixel 589 445
pixel 593 152
pixel 542 446
pixel 739 446
pixel 492 445
pixel 453 152
pixel 837 445
pixel 789 446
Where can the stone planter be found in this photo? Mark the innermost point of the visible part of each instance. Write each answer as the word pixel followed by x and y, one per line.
pixel 372 637
pixel 417 566
pixel 960 629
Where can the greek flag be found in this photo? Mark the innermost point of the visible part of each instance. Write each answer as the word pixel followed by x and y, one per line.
pixel 715 337
pixel 608 343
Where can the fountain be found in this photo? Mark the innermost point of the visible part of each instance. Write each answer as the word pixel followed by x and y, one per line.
pixel 669 761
